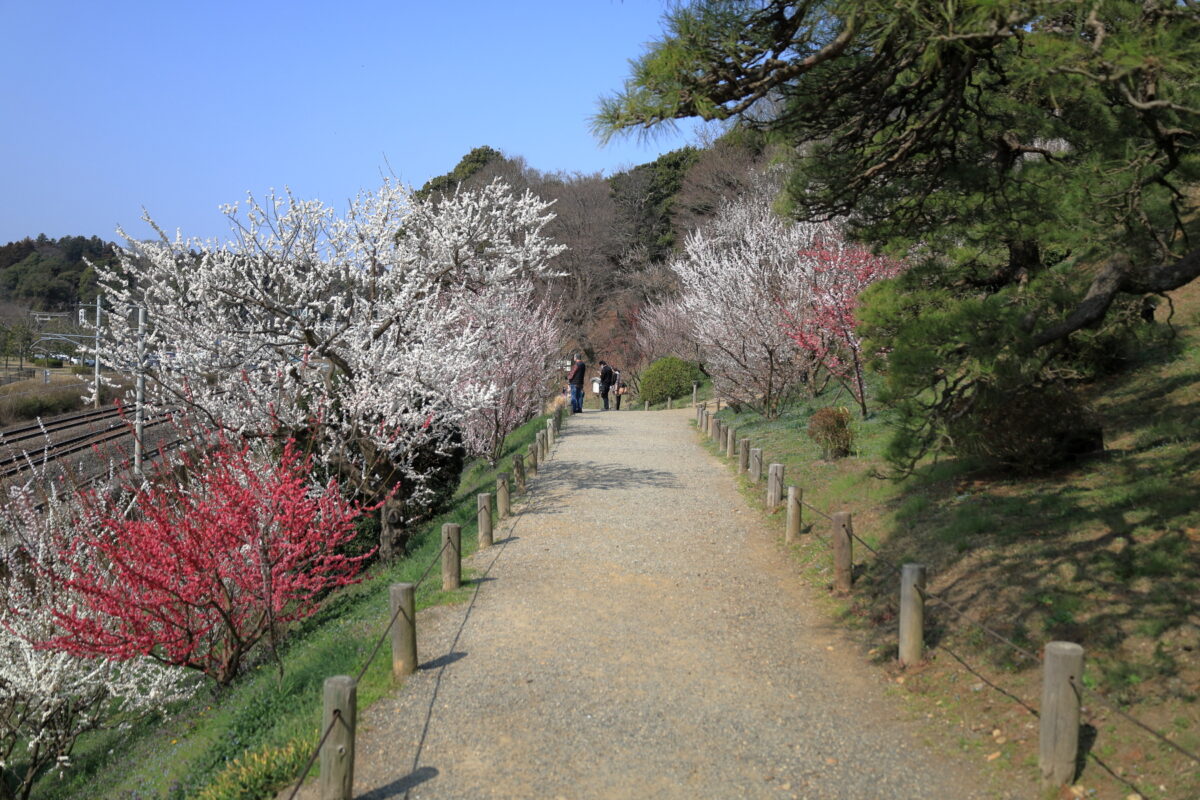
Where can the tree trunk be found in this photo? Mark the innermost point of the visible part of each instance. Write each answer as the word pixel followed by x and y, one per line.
pixel 858 379
pixel 391 531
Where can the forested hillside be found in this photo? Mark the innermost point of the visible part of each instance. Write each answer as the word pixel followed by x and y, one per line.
pixel 621 230
pixel 51 274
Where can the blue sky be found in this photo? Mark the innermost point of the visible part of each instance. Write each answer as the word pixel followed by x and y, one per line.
pixel 181 105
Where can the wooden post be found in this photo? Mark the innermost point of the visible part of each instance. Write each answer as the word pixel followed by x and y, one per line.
pixel 718 404
pixel 402 599
pixel 531 459
pixel 695 386
pixel 549 434
pixel 670 400
pixel 912 613
pixel 339 716
pixel 843 553
pixel 518 463
pixel 647 406
pixel 792 531
pixel 774 486
pixel 451 556
pixel 502 506
pixel 755 464
pixel 743 455
pixel 731 443
pixel 1058 745
pixel 483 518
pixel 716 429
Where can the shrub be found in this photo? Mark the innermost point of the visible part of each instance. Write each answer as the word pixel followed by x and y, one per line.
pixel 259 774
pixel 1026 430
pixel 668 377
pixel 830 429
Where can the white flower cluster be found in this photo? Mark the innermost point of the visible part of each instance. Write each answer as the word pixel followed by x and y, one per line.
pixel 743 277
pixel 362 330
pixel 49 697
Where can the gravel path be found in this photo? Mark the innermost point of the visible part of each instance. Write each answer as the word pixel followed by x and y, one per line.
pixel 636 633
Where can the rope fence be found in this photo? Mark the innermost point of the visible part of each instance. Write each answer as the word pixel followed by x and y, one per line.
pixel 1062 662
pixel 335 748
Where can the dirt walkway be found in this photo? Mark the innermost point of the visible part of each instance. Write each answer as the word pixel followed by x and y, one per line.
pixel 637 634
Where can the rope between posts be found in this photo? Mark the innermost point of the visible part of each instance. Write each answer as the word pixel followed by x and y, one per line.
pixel 1111 706
pixel 337 717
pixel 383 637
pixel 432 563
pixel 811 507
pixel 1079 690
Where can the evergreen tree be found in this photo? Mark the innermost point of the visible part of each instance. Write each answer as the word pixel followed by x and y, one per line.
pixel 1036 160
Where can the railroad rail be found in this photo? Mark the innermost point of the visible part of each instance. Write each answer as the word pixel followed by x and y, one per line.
pixel 55 449
pixel 38 430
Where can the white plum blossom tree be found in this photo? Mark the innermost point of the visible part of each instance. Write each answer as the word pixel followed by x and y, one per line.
pixel 521 336
pixel 356 334
pixel 743 276
pixel 48 698
pixel 664 328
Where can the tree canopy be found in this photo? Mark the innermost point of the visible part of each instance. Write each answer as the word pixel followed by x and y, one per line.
pixel 51 274
pixel 1035 160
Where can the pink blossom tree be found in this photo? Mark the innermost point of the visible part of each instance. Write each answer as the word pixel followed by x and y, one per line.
pixel 204 568
pixel 522 336
pixel 741 276
pixel 827 328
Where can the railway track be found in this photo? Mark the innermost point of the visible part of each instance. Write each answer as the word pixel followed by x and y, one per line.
pixel 99 427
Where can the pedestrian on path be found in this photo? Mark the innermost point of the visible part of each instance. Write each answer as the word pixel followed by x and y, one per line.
pixel 606 382
pixel 621 388
pixel 576 378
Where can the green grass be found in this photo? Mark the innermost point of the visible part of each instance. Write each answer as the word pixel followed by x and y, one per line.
pixel 254 733
pixel 1105 553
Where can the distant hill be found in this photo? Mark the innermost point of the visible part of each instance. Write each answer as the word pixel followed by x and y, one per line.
pixel 50 274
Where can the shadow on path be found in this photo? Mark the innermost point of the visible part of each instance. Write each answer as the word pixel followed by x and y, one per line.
pixel 401 786
pixel 572 476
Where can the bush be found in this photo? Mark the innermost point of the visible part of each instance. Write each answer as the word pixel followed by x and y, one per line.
pixel 260 774
pixel 31 406
pixel 668 377
pixel 830 429
pixel 1027 429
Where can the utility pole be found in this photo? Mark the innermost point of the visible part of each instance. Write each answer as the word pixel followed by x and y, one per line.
pixel 139 414
pixel 96 359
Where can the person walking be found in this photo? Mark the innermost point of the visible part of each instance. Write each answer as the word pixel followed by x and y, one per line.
pixel 620 387
pixel 575 378
pixel 606 382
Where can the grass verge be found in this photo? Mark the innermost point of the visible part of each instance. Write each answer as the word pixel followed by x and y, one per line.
pixel 1105 554
pixel 252 739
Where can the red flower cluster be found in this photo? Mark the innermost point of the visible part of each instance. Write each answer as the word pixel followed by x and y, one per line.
pixel 205 567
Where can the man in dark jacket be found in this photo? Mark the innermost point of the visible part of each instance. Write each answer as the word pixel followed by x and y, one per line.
pixel 575 378
pixel 606 381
